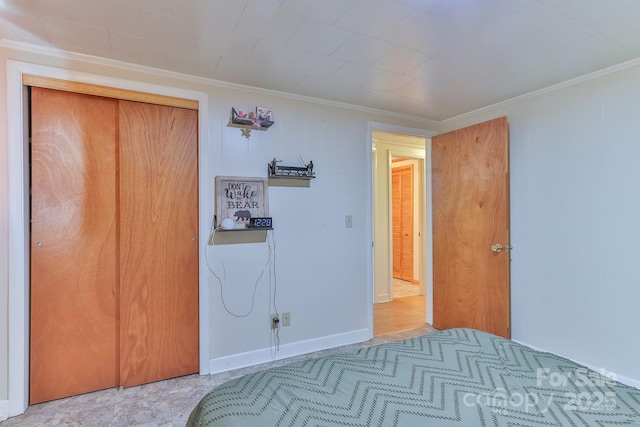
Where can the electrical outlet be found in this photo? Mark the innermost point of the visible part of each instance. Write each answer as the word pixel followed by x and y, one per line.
pixel 286 319
pixel 274 319
pixel 348 221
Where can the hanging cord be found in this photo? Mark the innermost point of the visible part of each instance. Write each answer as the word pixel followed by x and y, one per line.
pixel 222 280
pixel 274 343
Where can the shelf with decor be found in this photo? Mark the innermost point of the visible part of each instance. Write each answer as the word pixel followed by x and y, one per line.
pixel 245 229
pixel 253 224
pixel 260 120
pixel 287 177
pixel 242 204
pixel 239 235
pixel 279 175
pixel 289 182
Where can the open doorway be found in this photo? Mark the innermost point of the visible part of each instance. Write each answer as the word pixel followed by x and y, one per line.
pixel 399 219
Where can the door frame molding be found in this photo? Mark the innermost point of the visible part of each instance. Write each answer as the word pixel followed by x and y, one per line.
pixel 18 210
pixel 372 157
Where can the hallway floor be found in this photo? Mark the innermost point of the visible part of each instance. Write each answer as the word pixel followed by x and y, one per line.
pixel 402 288
pixel 401 314
pixel 407 310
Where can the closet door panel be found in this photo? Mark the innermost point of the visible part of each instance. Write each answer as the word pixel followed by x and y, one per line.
pixel 158 242
pixel 396 223
pixel 402 224
pixel 73 245
pixel 407 222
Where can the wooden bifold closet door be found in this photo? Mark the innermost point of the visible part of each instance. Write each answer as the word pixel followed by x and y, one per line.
pixel 158 243
pixel 73 245
pixel 114 253
pixel 402 202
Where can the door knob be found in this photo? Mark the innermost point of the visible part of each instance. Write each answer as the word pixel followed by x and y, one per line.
pixel 498 247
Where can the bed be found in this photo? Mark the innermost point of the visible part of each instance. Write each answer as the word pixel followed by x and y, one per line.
pixel 456 377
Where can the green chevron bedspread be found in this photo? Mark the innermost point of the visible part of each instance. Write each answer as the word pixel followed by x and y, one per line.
pixel 456 377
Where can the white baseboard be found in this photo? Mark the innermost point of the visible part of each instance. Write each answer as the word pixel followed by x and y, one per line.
pixel 382 298
pixel 620 378
pixel 4 410
pixel 264 355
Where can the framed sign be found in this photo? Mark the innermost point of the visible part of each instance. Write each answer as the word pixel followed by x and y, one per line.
pixel 241 198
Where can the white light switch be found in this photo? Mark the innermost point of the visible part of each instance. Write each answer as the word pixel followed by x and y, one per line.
pixel 348 221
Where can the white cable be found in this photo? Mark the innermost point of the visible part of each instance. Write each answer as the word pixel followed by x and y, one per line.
pixel 222 280
pixel 273 290
pixel 273 270
pixel 273 283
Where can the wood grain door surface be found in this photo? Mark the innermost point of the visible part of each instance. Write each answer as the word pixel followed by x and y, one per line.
pixel 470 214
pixel 402 222
pixel 158 243
pixel 114 251
pixel 73 245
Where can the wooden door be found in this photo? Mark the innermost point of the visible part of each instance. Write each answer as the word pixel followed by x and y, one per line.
pixel 114 251
pixel 73 245
pixel 402 220
pixel 158 243
pixel 470 214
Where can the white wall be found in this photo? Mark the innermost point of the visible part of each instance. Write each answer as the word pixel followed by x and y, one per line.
pixel 323 270
pixel 4 247
pixel 575 219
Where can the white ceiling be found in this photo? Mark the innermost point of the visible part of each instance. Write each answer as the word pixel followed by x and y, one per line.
pixel 433 59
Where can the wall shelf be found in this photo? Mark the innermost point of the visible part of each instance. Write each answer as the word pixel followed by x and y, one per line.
pixel 245 229
pixel 247 124
pixel 290 181
pixel 250 127
pixel 299 178
pixel 289 176
pixel 239 235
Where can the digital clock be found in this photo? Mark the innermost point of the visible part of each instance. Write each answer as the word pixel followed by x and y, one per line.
pixel 265 222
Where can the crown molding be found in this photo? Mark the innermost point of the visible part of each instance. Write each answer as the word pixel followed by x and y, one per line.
pixel 108 62
pixel 98 60
pixel 562 85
